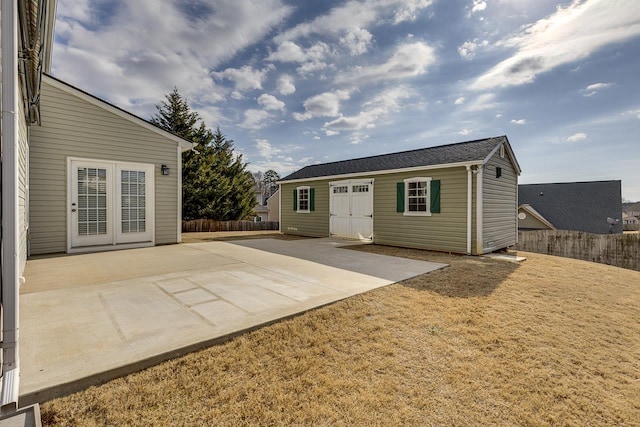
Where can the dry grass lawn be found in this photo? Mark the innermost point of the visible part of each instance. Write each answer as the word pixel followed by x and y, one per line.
pixel 551 341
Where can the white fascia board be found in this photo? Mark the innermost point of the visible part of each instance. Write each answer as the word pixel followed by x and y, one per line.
pixel 384 172
pixel 512 156
pixel 50 20
pixel 184 145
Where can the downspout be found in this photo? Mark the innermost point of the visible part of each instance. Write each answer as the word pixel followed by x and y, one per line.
pixel 10 217
pixel 479 213
pixel 469 207
pixel 179 172
pixel 280 208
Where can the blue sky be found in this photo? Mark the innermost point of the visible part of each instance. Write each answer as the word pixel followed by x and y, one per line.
pixel 301 82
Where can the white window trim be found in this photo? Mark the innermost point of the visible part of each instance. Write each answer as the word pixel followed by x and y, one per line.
pixel 406 196
pixel 304 187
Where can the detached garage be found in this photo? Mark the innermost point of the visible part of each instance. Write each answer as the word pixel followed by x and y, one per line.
pixel 458 198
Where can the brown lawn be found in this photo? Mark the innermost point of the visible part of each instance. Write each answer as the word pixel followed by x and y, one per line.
pixel 551 341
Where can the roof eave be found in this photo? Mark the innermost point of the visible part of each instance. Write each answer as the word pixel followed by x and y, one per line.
pixel 512 156
pixel 47 42
pixel 384 172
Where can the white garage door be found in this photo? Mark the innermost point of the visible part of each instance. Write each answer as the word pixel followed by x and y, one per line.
pixel 351 209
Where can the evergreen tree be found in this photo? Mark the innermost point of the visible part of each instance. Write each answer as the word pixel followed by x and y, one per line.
pixel 269 180
pixel 215 183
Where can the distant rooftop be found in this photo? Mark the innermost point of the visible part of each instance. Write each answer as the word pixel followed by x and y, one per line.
pixel 580 206
pixel 460 152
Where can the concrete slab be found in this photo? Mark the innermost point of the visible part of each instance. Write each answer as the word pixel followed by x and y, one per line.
pixel 505 257
pixel 76 331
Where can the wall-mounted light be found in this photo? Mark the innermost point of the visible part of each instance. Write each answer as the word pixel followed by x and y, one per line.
pixel 165 170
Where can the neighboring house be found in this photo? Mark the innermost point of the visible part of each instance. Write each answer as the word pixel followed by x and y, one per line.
pixel 260 211
pixel 629 220
pixel 78 174
pixel 455 198
pixel 592 207
pixel 273 204
pixel 632 209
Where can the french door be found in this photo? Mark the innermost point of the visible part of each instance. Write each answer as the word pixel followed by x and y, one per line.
pixel 111 203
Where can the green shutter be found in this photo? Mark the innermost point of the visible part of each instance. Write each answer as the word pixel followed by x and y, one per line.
pixel 400 197
pixel 295 199
pixel 435 196
pixel 312 204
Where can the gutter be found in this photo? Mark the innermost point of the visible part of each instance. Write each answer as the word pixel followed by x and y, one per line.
pixel 10 216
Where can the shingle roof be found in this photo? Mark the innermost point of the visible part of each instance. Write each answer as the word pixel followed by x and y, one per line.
pixel 580 206
pixel 444 154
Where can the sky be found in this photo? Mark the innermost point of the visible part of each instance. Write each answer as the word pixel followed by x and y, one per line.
pixel 294 83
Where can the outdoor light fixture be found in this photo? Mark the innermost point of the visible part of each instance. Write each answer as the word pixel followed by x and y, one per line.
pixel 165 170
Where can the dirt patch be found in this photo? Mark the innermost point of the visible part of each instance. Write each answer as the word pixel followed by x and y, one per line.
pixel 483 342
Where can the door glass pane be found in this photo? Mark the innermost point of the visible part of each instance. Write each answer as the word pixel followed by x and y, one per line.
pixel 92 206
pixel 133 200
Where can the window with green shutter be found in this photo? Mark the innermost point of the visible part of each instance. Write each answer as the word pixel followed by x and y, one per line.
pixel 419 196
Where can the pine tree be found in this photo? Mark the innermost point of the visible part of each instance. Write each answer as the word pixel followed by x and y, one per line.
pixel 215 183
pixel 269 180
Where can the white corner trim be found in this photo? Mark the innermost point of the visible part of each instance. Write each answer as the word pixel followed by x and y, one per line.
pixel 537 215
pixel 479 212
pixel 179 171
pixel 185 145
pixel 469 207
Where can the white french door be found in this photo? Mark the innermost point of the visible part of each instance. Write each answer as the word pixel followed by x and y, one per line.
pixel 111 203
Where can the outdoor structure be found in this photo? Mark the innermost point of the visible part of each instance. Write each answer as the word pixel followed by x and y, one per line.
pixel 260 211
pixel 458 198
pixel 593 207
pixel 78 174
pixel 273 204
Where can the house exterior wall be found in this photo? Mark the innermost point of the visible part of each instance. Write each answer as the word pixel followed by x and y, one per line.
pixel 74 127
pixel 315 223
pixel 500 204
pixel 444 231
pixel 273 204
pixel 23 158
pixel 530 222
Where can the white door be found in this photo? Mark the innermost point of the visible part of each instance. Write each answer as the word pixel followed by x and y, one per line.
pixel 339 221
pixel 91 207
pixel 351 209
pixel 362 211
pixel 111 203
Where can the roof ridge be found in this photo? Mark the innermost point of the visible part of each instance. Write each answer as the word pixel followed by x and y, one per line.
pixel 406 151
pixel 572 182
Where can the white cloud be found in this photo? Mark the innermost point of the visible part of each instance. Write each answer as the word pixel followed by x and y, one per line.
pixel 498 116
pixel 244 78
pixel 478 6
pixel 341 19
pixel 577 137
pixel 142 51
pixel 633 113
pixel 285 85
pixel 372 111
pixel 356 41
pixel 265 148
pixel 519 121
pixel 255 119
pixel 592 89
pixel 270 102
pixel 570 34
pixel 409 60
pixel 468 48
pixel 465 132
pixel 486 101
pixel 326 104
pixel 459 101
pixel 330 132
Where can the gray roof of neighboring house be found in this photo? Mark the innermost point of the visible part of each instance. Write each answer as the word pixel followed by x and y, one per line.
pixel 580 206
pixel 444 154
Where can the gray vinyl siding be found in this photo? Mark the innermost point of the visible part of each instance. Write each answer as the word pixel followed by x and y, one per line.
pixel 23 150
pixel 499 204
pixel 445 231
pixel 73 127
pixel 315 223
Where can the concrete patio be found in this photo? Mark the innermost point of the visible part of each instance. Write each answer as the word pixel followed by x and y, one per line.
pixel 89 318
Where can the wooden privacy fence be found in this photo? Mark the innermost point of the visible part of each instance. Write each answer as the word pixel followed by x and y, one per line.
pixel 620 250
pixel 197 225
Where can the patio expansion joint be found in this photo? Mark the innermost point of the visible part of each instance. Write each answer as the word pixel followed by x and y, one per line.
pixel 112 317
